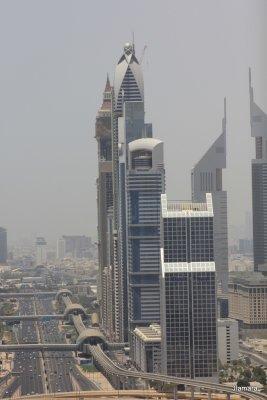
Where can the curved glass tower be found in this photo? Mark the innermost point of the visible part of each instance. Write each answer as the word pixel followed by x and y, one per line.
pixel 206 177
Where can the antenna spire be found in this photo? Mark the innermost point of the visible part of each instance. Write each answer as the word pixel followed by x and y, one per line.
pixel 250 84
pixel 133 42
pixel 224 115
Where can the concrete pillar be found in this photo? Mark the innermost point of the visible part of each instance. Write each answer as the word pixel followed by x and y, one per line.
pixel 209 394
pixel 192 390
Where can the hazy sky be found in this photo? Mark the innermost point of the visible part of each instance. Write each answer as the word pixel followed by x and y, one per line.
pixel 54 58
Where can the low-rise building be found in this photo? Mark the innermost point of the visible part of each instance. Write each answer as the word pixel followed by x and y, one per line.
pixel 248 299
pixel 147 348
pixel 227 340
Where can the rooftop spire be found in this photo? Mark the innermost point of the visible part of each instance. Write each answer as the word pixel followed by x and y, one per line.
pixel 224 115
pixel 107 87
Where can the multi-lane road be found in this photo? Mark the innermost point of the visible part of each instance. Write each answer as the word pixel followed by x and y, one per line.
pixel 46 372
pixel 62 373
pixel 26 364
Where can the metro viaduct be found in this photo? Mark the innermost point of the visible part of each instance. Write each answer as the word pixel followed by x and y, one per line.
pixel 18 318
pixel 27 294
pixel 92 341
pixel 72 309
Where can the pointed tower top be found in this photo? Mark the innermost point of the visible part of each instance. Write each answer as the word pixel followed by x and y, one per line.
pixel 108 86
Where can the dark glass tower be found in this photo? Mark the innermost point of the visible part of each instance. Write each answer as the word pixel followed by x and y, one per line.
pixel 145 184
pixel 188 290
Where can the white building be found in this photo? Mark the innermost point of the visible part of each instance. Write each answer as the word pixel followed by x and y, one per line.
pixel 147 348
pixel 41 251
pixel 228 346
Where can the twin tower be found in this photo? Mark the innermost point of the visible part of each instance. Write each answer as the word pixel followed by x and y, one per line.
pixel 138 229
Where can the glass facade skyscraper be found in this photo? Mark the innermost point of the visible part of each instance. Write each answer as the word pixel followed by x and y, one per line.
pixel 258 120
pixel 188 290
pixel 145 184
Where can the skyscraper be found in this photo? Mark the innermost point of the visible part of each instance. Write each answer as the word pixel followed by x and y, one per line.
pixel 61 248
pixel 258 120
pixel 104 180
pixel 145 184
pixel 77 246
pixel 206 177
pixel 41 251
pixel 127 125
pixel 3 245
pixel 188 290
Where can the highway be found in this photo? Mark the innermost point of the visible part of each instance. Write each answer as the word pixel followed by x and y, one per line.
pixel 44 372
pixel 63 372
pixel 27 364
pixel 60 367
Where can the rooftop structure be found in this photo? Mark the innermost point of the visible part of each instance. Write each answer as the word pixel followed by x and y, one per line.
pixel 151 333
pixel 128 82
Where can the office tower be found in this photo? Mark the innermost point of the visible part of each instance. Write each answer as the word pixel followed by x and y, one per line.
pixel 188 290
pixel 77 246
pixel 206 177
pixel 145 184
pixel 41 251
pixel 3 245
pixel 127 125
pixel 104 180
pixel 258 121
pixel 228 346
pixel 61 248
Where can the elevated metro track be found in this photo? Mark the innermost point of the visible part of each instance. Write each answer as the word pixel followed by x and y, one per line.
pixel 27 294
pixel 91 340
pixel 38 347
pixel 110 366
pixel 18 318
pixel 103 394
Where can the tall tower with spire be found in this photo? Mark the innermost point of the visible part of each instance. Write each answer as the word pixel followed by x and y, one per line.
pixel 258 120
pixel 206 177
pixel 120 120
pixel 103 136
pixel 128 124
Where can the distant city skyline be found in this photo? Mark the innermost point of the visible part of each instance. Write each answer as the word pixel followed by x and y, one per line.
pixel 56 77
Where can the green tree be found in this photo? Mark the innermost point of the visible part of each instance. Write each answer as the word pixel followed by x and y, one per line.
pixel 259 375
pixel 242 382
pixel 247 374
